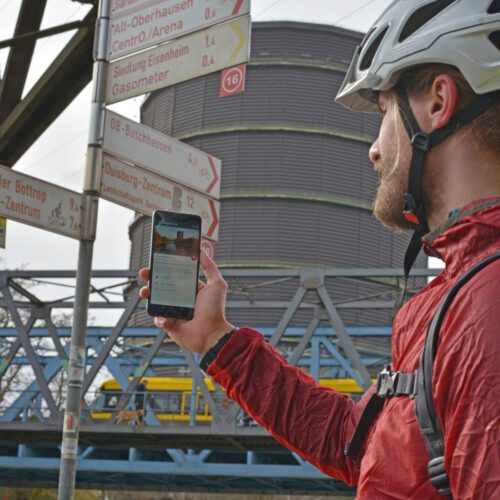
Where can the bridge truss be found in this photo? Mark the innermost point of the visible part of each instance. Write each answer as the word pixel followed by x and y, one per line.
pixel 226 452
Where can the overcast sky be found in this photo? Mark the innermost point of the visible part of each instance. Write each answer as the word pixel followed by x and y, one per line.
pixel 58 155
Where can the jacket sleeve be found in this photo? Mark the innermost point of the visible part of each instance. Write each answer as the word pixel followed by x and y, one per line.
pixel 309 419
pixel 466 387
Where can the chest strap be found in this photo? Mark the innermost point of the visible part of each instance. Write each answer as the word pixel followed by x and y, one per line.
pixel 389 384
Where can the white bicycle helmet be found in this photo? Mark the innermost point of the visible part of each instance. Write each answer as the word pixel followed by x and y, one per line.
pixel 461 33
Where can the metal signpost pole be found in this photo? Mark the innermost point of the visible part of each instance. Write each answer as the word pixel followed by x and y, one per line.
pixel 69 450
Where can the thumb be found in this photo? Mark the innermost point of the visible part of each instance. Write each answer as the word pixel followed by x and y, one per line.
pixel 209 267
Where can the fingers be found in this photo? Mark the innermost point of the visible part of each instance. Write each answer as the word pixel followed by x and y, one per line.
pixel 160 322
pixel 209 268
pixel 201 285
pixel 144 276
pixel 164 323
pixel 144 273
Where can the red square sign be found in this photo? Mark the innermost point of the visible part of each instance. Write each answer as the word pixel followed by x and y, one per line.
pixel 232 80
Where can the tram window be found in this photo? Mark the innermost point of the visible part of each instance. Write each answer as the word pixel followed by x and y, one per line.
pixel 201 404
pixel 168 402
pixel 111 399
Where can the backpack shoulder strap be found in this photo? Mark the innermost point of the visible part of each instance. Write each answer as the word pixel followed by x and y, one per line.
pixel 424 403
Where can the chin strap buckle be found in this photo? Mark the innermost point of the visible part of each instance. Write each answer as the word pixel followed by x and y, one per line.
pixel 411 212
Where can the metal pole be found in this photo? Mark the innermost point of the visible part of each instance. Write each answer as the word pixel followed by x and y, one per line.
pixel 69 449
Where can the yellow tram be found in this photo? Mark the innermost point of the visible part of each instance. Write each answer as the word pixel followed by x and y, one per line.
pixel 170 398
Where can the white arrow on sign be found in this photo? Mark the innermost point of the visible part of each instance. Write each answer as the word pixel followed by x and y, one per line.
pixel 201 53
pixel 30 200
pixel 145 192
pixel 161 154
pixel 149 23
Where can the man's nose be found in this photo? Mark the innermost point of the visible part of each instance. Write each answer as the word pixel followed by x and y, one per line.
pixel 374 153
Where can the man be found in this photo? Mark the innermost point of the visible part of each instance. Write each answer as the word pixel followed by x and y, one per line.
pixel 432 69
pixel 140 399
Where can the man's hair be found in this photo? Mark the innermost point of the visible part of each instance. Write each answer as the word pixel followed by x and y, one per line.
pixel 484 131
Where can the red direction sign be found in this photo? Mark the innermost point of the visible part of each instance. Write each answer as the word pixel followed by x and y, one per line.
pixel 232 80
pixel 145 192
pixel 161 154
pixel 32 201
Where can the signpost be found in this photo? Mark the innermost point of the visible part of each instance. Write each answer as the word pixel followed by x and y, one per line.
pixel 146 192
pixel 182 59
pixel 161 154
pixel 26 199
pixel 3 231
pixel 160 163
pixel 147 23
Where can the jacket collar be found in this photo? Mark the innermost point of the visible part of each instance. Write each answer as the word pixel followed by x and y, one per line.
pixel 467 234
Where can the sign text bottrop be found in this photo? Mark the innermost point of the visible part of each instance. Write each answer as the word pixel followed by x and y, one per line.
pixel 30 200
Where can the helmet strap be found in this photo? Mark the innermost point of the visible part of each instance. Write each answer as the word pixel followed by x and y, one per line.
pixel 414 209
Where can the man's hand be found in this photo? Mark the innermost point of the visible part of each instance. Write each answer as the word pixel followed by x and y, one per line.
pixel 209 323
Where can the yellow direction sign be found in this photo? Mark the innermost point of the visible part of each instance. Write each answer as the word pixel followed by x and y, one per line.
pixel 201 53
pixel 146 23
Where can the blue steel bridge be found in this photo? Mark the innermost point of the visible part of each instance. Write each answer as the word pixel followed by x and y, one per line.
pixel 214 447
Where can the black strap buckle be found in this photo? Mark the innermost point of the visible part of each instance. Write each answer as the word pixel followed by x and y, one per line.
pixel 438 476
pixel 385 382
pixel 412 213
pixel 391 383
pixel 421 141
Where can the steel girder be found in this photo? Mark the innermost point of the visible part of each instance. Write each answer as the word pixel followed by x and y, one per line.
pixel 324 347
pixel 22 121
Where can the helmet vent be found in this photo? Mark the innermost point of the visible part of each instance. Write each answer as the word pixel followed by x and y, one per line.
pixel 367 60
pixel 495 39
pixel 423 15
pixel 494 8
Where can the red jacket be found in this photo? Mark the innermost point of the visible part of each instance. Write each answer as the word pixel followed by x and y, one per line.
pixel 316 422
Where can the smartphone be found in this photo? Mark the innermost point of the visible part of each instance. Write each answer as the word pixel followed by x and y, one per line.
pixel 174 264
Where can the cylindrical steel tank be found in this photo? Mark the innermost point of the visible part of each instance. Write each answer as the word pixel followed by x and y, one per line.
pixel 297 184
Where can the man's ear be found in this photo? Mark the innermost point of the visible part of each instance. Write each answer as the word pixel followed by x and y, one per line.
pixel 443 100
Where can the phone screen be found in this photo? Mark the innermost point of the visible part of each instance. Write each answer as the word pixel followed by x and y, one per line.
pixel 175 255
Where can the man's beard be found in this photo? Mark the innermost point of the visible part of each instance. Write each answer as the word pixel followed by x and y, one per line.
pixel 389 200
